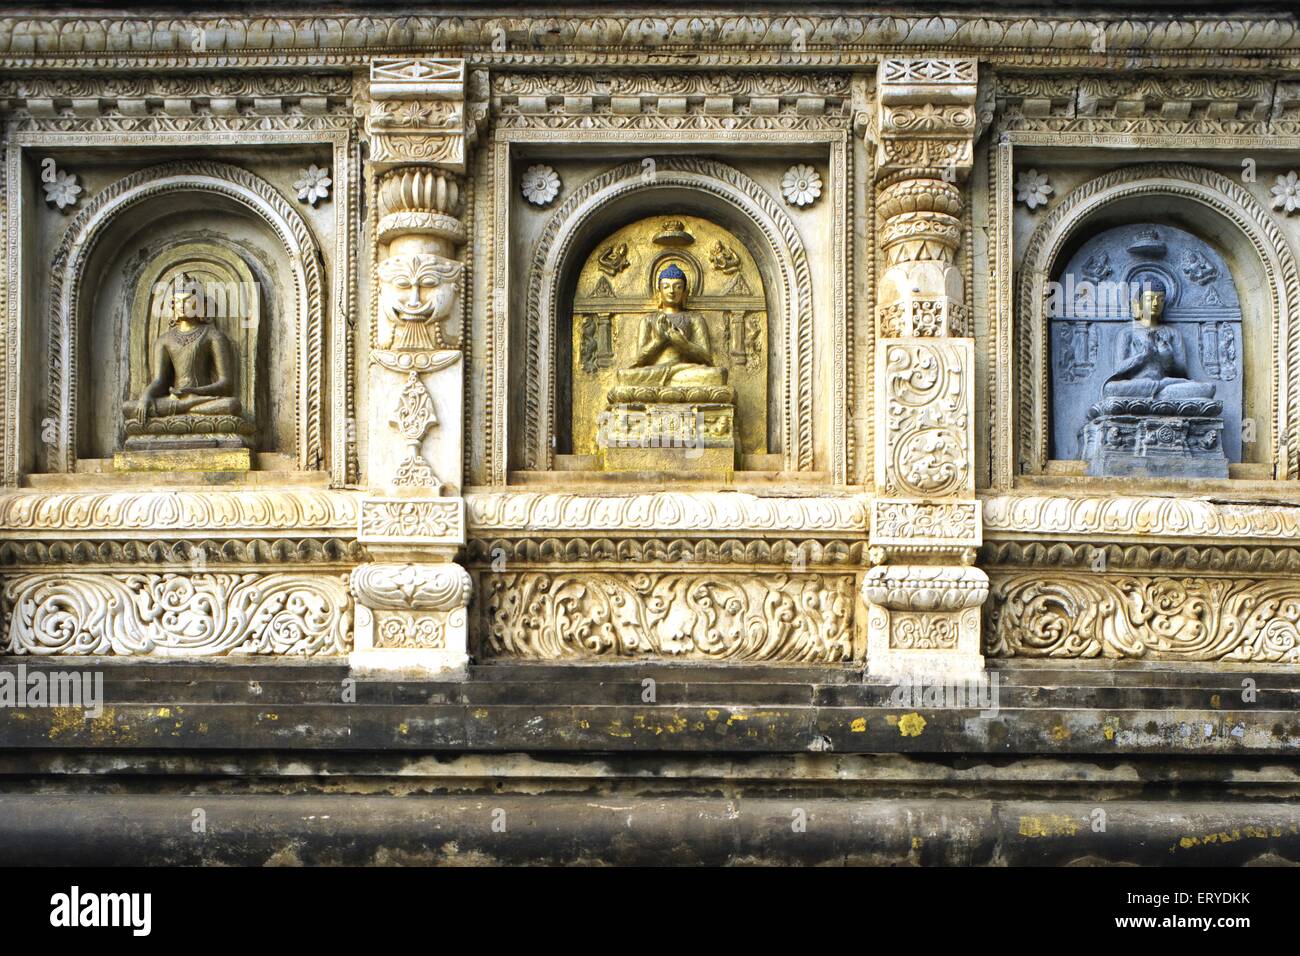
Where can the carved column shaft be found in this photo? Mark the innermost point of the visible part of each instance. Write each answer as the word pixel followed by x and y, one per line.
pixel 923 596
pixel 411 603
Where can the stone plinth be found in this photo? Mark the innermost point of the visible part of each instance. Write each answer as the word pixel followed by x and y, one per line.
pixel 679 437
pixel 1145 438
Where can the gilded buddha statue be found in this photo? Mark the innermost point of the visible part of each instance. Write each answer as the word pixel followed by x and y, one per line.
pixel 192 364
pixel 674 358
pixel 1150 358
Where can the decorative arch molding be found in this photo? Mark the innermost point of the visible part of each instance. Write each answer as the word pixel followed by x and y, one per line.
pixel 783 250
pixel 1222 197
pixel 239 185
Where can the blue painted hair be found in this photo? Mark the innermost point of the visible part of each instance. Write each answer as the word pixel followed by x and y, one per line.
pixel 1153 284
pixel 672 272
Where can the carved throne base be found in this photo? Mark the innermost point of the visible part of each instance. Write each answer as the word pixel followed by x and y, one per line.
pixel 1155 438
pixel 187 443
pixel 698 439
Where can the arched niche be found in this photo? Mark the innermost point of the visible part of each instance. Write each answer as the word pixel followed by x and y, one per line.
pixel 1213 209
pixel 679 186
pixel 112 245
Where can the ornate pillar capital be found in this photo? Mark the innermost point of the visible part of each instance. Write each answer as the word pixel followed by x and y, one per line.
pixel 925 116
pixel 424 111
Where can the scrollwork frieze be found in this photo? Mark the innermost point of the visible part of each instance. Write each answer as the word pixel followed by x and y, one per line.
pixel 681 615
pixel 213 551
pixel 170 614
pixel 1131 516
pixel 1242 620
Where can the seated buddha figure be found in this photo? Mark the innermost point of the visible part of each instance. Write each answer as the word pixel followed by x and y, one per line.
pixel 1150 359
pixel 192 364
pixel 673 347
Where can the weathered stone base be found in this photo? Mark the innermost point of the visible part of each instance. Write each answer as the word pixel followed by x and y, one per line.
pixel 586 770
pixel 1156 446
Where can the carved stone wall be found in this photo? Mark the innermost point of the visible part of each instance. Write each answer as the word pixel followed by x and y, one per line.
pixel 903 207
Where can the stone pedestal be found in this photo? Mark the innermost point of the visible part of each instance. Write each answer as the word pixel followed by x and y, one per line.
pixel 924 620
pixel 187 443
pixel 690 438
pixel 410 618
pixel 1141 438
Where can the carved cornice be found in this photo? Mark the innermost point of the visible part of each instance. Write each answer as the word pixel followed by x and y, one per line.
pixel 1258 560
pixel 671 101
pixel 184 513
pixel 680 513
pixel 592 549
pixel 1129 516
pixel 196 102
pixel 210 551
pixel 1196 105
pixel 809 38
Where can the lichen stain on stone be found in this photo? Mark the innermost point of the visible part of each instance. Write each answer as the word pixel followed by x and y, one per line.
pixel 859 725
pixel 98 731
pixel 1053 824
pixel 911 725
pixel 1059 733
pixel 1246 832
pixel 674 726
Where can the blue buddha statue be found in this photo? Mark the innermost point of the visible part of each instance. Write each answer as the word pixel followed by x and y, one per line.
pixel 1150 359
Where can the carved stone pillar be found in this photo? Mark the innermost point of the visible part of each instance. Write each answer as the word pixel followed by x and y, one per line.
pixel 411 603
pixel 924 595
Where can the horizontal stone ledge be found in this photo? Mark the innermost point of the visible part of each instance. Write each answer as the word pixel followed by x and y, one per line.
pixel 679 728
pixel 1140 517
pixel 90 829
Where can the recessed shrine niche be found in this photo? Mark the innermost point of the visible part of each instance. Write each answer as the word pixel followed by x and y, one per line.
pixel 185 328
pixel 1147 355
pixel 669 352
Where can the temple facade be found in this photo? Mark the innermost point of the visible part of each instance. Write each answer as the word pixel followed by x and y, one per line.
pixel 880 417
